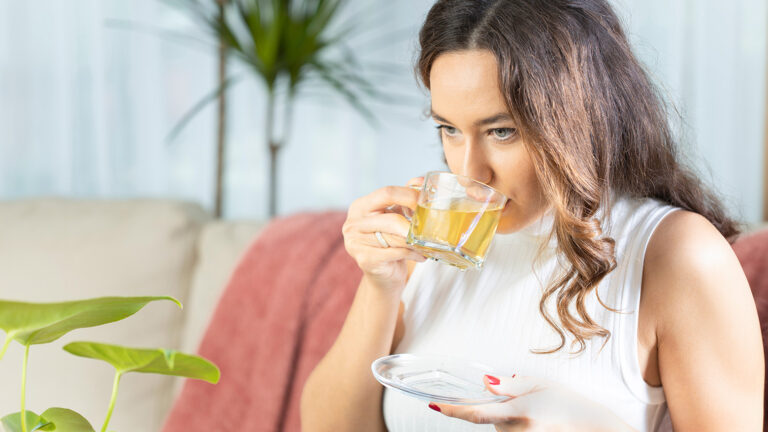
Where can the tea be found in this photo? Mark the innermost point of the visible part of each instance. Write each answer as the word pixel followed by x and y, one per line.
pixel 457 231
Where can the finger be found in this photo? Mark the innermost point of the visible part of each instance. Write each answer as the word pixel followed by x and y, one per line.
pixel 385 223
pixel 385 197
pixel 380 255
pixel 415 182
pixel 393 241
pixel 492 413
pixel 514 386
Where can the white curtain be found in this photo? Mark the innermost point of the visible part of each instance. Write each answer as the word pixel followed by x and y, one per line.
pixel 86 104
pixel 85 107
pixel 710 58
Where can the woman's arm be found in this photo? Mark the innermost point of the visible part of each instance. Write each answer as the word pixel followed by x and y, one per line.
pixel 341 394
pixel 708 335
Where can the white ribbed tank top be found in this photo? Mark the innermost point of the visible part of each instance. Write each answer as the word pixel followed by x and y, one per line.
pixel 492 316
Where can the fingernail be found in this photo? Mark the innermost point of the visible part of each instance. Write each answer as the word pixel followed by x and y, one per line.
pixel 492 380
pixel 435 407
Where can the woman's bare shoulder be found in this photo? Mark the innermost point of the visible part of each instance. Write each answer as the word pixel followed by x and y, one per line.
pixel 689 241
pixel 693 283
pixel 687 256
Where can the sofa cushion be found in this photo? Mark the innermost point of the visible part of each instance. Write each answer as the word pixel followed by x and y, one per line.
pixel 219 249
pixel 64 249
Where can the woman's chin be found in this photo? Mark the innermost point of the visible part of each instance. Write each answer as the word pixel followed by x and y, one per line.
pixel 508 225
pixel 513 219
pixel 507 221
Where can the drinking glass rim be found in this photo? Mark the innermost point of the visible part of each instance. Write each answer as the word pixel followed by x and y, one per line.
pixel 468 178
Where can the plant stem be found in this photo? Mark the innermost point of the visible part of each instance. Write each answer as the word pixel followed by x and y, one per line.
pixel 112 400
pixel 222 122
pixel 273 148
pixel 288 115
pixel 24 388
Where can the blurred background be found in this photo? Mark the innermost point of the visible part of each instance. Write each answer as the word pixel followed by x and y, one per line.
pixel 106 100
pixel 93 94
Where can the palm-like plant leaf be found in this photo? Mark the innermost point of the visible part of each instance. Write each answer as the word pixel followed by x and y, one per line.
pixel 288 39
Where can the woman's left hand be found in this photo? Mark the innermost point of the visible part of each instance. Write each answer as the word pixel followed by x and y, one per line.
pixel 535 405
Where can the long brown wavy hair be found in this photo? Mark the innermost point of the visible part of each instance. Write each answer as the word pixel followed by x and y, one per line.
pixel 591 119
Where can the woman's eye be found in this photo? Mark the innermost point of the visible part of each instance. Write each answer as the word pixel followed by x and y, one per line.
pixel 503 133
pixel 450 131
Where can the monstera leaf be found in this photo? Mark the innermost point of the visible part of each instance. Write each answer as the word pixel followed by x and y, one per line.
pixel 157 361
pixel 39 323
pixel 12 422
pixel 53 419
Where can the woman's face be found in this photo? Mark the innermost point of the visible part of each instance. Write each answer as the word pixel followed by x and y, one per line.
pixel 479 138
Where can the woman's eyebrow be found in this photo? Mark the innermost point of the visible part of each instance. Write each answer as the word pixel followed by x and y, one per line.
pixel 482 122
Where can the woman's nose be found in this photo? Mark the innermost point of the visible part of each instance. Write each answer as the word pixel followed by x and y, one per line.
pixel 476 164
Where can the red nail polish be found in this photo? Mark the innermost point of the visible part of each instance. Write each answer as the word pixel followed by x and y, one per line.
pixel 492 380
pixel 435 407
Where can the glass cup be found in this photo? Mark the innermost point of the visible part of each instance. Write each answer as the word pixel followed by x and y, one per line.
pixel 455 219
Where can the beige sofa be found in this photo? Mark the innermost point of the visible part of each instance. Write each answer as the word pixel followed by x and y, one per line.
pixel 63 249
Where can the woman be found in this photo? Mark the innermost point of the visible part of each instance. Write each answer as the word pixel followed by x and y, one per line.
pixel 611 296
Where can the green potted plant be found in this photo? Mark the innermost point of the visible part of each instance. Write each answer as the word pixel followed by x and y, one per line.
pixel 286 45
pixel 40 323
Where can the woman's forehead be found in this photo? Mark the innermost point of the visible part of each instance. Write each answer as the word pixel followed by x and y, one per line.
pixel 464 87
pixel 464 70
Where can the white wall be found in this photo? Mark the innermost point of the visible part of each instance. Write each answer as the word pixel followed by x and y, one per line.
pixel 85 106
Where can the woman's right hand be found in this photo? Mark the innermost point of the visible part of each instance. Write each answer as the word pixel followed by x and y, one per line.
pixel 383 266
